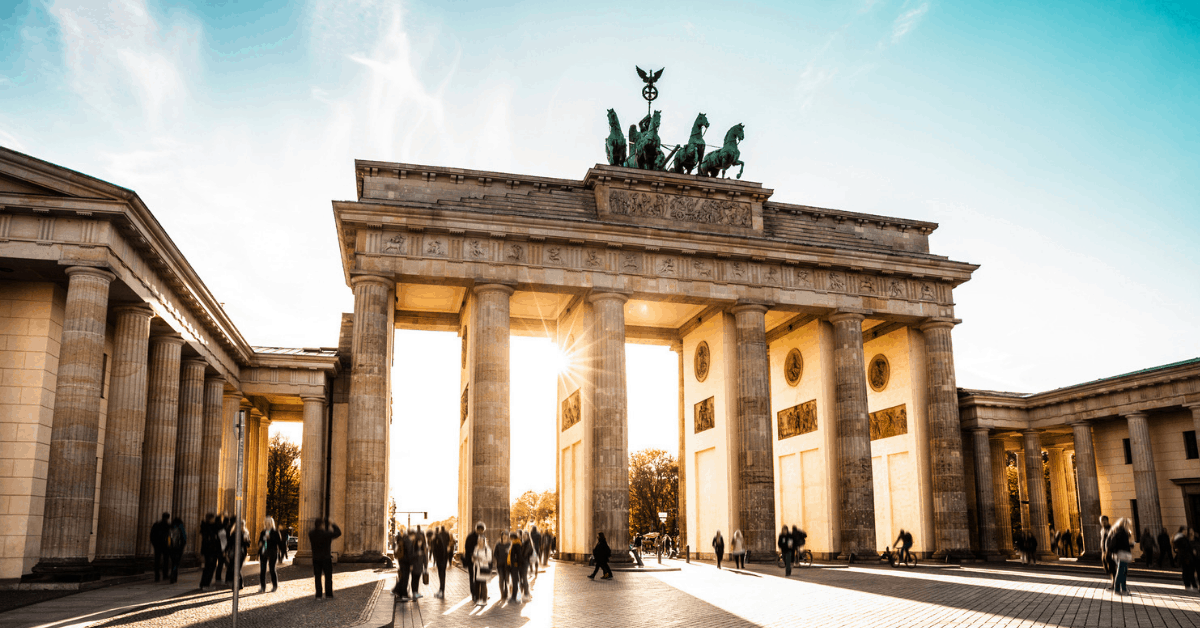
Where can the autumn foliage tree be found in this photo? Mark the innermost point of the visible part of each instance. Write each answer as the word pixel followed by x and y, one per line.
pixel 535 508
pixel 283 482
pixel 653 488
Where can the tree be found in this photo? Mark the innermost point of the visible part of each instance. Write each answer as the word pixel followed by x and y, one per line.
pixel 283 482
pixel 534 508
pixel 653 488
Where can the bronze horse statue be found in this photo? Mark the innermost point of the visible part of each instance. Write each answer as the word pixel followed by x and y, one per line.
pixel 644 145
pixel 693 153
pixel 718 162
pixel 615 144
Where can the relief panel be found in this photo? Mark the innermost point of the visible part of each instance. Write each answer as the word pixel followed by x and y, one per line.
pixel 570 410
pixel 798 419
pixel 889 422
pixel 706 416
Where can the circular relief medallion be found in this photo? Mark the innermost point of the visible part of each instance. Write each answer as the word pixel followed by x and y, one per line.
pixel 793 367
pixel 702 360
pixel 878 373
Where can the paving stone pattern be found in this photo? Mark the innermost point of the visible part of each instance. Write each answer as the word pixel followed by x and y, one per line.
pixel 700 595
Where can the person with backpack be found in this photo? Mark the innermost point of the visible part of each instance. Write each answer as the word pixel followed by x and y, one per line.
pixel 270 549
pixel 718 545
pixel 904 543
pixel 160 534
pixel 177 541
pixel 320 539
pixel 799 538
pixel 518 568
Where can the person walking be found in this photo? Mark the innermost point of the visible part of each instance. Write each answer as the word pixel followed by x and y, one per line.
pixel 1119 543
pixel 220 528
pixel 1067 546
pixel 177 541
pixel 210 548
pixel 1110 567
pixel 737 549
pixel 159 540
pixel 419 561
pixel 516 566
pixel 601 553
pixel 1147 545
pixel 535 540
pixel 1164 550
pixel 1031 547
pixel 787 550
pixel 270 549
pixel 1183 552
pixel 502 568
pixel 234 563
pixel 481 568
pixel 320 539
pixel 440 548
pixel 718 545
pixel 469 546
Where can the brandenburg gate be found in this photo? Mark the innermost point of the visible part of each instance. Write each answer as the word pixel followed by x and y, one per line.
pixel 817 381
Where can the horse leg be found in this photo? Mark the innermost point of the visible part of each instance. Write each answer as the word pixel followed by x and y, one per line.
pixel 743 167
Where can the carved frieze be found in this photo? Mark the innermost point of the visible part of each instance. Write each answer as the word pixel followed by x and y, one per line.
pixel 708 211
pixel 395 245
pixel 706 416
pixel 798 419
pixel 570 411
pixel 889 422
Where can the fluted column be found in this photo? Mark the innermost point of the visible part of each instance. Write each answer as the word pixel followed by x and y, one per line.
pixel 74 437
pixel 856 507
pixel 186 491
pixel 756 470
pixel 1072 494
pixel 264 447
pixel 121 479
pixel 985 503
pixel 489 436
pixel 230 405
pixel 610 430
pixel 1000 496
pixel 158 445
pixel 1145 481
pixel 250 474
pixel 1036 487
pixel 210 447
pixel 1089 491
pixel 1058 489
pixel 366 432
pixel 945 443
pixel 312 471
pixel 1023 491
pixel 1195 408
pixel 681 517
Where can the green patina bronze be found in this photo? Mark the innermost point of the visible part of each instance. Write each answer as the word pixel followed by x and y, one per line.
pixel 716 163
pixel 615 145
pixel 694 151
pixel 644 144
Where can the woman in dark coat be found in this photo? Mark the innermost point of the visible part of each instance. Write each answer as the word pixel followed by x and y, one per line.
pixel 1183 551
pixel 270 549
pixel 601 553
pixel 718 545
pixel 441 557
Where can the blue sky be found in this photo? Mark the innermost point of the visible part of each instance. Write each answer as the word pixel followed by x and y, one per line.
pixel 1055 143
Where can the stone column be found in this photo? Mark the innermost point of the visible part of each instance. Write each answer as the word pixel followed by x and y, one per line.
pixel 1036 487
pixel 211 447
pixel 186 490
pixel 121 479
pixel 250 471
pixel 610 430
pixel 1022 491
pixel 1058 489
pixel 312 472
pixel 366 449
pixel 1145 481
pixel 158 446
pixel 264 446
pixel 1195 408
pixel 231 404
pixel 681 518
pixel 74 437
pixel 490 398
pixel 1000 496
pixel 756 469
pixel 1072 497
pixel 945 444
pixel 985 495
pixel 856 507
pixel 1089 491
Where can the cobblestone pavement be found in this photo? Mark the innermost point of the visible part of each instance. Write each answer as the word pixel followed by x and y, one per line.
pixel 148 604
pixel 700 595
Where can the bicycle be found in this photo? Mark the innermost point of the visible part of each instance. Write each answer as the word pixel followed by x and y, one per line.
pixel 910 560
pixel 802 558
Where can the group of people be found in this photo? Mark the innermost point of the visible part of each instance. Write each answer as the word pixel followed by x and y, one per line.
pixel 168 538
pixel 516 556
pixel 413 550
pixel 790 542
pixel 1116 550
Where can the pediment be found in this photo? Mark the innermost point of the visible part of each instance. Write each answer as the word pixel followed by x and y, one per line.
pixel 23 174
pixel 13 185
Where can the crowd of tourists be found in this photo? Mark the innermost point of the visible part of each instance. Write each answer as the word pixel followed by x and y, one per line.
pixel 1117 544
pixel 514 560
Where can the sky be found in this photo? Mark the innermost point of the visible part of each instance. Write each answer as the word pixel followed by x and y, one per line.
pixel 1056 145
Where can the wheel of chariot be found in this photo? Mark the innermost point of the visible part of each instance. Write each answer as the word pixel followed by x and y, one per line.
pixel 650 92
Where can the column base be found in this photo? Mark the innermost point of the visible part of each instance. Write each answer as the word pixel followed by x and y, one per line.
pixel 953 555
pixel 119 566
pixel 1089 557
pixel 302 558
pixel 1047 557
pixel 64 570
pixel 365 557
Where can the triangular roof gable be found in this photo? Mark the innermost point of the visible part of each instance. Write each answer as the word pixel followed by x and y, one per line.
pixel 23 174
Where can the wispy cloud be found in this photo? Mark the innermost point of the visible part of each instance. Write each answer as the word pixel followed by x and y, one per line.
pixel 907 21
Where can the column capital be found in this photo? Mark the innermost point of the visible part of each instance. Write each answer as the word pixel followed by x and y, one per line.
pixel 312 399
pixel 979 428
pixel 133 308
pixel 607 296
pixel 377 279
pixel 195 362
pixel 1135 415
pixel 233 394
pixel 171 339
pixel 213 379
pixel 747 306
pixel 938 323
pixel 493 287
pixel 846 315
pixel 90 270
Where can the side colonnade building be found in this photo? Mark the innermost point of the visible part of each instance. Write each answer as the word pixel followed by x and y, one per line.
pixel 121 380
